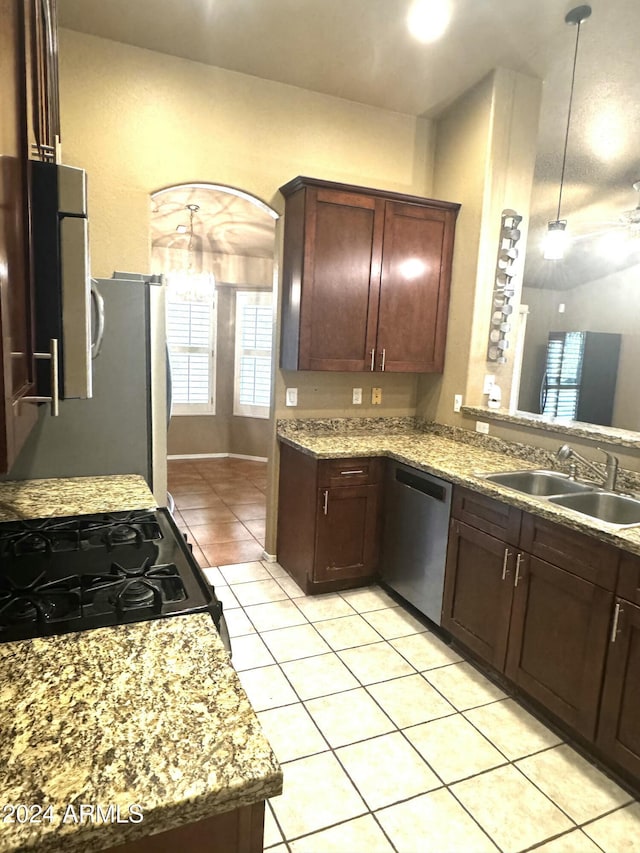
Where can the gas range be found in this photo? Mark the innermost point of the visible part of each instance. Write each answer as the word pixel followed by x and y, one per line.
pixel 91 571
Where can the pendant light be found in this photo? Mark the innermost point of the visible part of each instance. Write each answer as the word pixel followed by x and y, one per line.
pixel 556 236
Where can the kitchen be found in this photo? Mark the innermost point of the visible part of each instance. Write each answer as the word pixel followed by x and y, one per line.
pixel 168 129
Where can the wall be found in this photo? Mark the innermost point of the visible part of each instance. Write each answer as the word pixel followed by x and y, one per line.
pixel 485 156
pixel 139 121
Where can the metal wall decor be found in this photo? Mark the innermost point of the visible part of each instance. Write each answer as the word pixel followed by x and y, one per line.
pixel 503 291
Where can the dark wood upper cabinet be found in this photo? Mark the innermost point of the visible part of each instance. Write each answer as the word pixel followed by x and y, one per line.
pixel 366 278
pixel 41 64
pixel 16 314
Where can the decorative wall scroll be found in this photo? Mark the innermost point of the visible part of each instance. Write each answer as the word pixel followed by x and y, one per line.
pixel 503 292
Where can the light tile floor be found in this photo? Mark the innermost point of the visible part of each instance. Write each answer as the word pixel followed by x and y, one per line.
pixel 390 741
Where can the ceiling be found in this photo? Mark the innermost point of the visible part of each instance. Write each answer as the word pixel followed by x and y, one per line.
pixel 361 50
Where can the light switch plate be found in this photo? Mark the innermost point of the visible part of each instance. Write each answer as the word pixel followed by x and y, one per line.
pixel 376 396
pixel 489 382
pixel 356 397
pixel 291 397
pixel 483 427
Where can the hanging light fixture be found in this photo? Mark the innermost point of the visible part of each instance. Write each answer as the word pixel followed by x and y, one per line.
pixel 556 237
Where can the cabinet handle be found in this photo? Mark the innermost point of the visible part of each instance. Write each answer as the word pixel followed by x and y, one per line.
pixel 349 473
pixel 325 503
pixel 383 359
pixel 507 554
pixel 54 399
pixel 616 618
pixel 373 359
pixel 518 561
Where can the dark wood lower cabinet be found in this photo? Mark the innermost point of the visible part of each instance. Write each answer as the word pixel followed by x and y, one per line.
pixel 237 831
pixel 328 520
pixel 558 641
pixel 619 727
pixel 478 592
pixel 346 532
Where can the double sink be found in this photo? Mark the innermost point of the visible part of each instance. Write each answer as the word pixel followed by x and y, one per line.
pixel 560 489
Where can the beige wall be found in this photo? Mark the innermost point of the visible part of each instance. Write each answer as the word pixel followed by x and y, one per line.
pixel 139 121
pixel 485 157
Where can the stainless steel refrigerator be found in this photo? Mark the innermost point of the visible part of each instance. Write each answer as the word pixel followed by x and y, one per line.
pixel 122 429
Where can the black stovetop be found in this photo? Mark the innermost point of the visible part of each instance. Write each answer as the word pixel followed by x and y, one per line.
pixel 90 571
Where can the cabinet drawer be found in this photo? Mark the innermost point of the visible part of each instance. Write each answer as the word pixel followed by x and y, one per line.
pixel 349 472
pixel 494 517
pixel 629 578
pixel 582 555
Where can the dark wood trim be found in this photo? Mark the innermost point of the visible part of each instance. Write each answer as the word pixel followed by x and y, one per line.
pixel 301 181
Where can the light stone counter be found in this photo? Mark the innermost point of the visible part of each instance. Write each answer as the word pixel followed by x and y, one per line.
pixel 456 461
pixel 73 496
pixel 150 714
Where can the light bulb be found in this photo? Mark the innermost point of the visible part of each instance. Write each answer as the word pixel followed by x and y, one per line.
pixel 555 241
pixel 428 19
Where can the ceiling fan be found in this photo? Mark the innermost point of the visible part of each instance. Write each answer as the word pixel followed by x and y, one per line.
pixel 625 226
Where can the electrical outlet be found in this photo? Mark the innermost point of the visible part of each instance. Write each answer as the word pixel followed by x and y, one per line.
pixel 356 397
pixel 483 427
pixel 291 397
pixel 489 382
pixel 457 402
pixel 561 308
pixel 376 396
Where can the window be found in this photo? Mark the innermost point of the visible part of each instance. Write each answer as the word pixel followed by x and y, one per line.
pixel 191 324
pixel 254 329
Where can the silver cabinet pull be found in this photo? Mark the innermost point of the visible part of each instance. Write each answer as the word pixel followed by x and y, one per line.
pixel 325 503
pixel 54 399
pixel 373 359
pixel 616 619
pixel 518 561
pixel 507 554
pixel 383 359
pixel 349 473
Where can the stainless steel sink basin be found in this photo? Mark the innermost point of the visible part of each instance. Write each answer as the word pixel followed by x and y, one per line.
pixel 539 483
pixel 606 506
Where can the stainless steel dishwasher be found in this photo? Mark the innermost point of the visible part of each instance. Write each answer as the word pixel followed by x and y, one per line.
pixel 415 534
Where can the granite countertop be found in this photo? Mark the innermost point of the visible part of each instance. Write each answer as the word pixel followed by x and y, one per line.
pixel 149 715
pixel 456 461
pixel 73 496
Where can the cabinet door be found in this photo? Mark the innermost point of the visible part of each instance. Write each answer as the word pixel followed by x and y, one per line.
pixel 342 252
pixel 414 290
pixel 478 591
pixel 16 334
pixel 558 641
pixel 347 532
pixel 618 731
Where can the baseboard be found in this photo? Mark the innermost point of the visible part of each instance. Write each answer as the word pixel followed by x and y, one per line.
pixel 184 456
pixel 269 558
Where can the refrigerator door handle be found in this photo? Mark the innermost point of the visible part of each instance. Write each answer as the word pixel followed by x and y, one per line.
pixel 97 314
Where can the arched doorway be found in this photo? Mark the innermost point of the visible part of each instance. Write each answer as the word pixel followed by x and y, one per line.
pixel 215 247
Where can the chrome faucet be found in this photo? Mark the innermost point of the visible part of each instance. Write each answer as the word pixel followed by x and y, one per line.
pixel 610 469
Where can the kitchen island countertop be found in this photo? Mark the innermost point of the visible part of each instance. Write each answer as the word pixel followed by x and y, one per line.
pixel 455 461
pixel 147 718
pixel 22 499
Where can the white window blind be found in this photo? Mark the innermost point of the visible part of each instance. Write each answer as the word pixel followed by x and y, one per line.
pixel 254 329
pixel 191 323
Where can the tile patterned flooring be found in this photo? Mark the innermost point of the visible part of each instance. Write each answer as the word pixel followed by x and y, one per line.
pixel 389 740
